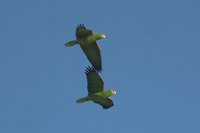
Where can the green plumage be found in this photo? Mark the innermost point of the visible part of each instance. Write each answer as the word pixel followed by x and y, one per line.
pixel 95 90
pixel 87 40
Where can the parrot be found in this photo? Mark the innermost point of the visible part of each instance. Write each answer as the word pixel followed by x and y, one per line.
pixel 96 93
pixel 87 41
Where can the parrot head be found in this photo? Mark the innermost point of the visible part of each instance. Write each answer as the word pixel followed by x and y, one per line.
pixel 100 36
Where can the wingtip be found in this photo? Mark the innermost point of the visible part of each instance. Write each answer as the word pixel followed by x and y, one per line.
pixel 98 69
pixel 107 107
pixel 89 69
pixel 80 26
pixel 93 69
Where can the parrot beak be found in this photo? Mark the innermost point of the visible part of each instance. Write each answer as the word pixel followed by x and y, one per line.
pixel 103 36
pixel 114 92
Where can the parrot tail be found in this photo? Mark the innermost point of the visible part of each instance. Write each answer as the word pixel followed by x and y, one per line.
pixel 81 100
pixel 71 43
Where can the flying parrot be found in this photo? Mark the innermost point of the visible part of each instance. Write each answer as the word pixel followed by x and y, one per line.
pixel 96 93
pixel 87 40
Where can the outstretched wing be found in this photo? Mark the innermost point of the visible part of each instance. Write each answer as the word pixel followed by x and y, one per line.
pixel 106 103
pixel 94 81
pixel 93 54
pixel 92 50
pixel 82 32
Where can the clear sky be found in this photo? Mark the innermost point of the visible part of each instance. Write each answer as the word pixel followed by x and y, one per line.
pixel 151 56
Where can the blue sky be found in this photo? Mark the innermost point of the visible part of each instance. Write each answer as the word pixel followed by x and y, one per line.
pixel 150 56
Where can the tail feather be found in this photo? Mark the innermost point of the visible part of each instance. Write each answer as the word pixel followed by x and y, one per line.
pixel 81 100
pixel 71 43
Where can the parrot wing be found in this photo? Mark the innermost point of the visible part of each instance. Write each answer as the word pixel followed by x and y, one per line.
pixel 105 103
pixel 82 32
pixel 94 81
pixel 93 54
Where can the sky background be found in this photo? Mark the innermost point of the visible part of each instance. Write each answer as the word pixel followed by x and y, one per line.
pixel 151 57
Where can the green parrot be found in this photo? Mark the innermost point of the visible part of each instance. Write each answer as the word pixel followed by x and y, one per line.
pixel 95 90
pixel 87 40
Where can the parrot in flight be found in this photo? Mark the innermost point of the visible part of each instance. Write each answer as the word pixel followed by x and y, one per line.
pixel 87 40
pixel 96 93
